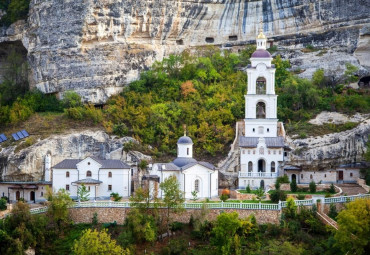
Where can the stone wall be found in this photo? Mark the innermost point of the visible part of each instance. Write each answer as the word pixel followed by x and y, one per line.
pixel 85 215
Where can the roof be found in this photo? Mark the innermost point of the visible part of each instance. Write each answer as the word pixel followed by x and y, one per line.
pixel 274 142
pixel 88 181
pixel 206 164
pixel 150 177
pixel 250 142
pixel 182 161
pixel 292 168
pixel 105 164
pixel 168 167
pixel 24 183
pixel 261 54
pixel 185 140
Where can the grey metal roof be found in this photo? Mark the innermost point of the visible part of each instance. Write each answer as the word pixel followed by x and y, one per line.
pixel 182 161
pixel 106 164
pixel 206 164
pixel 185 140
pixel 150 177
pixel 274 142
pixel 168 167
pixel 88 181
pixel 250 142
pixel 67 164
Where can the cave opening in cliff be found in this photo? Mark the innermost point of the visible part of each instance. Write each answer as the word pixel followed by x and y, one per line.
pixel 210 39
pixel 364 82
pixel 233 38
pixel 13 71
pixel 180 42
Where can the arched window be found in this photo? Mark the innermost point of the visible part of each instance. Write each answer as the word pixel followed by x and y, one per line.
pixel 196 185
pixel 67 174
pixel 187 151
pixel 261 165
pixel 250 166
pixel 261 110
pixel 272 167
pixel 310 176
pixel 261 85
pixel 110 174
pixel 88 174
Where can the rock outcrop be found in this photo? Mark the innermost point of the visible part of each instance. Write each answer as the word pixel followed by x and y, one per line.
pixel 329 151
pixel 29 163
pixel 97 47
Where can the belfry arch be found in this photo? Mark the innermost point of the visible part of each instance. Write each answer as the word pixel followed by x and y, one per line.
pixel 261 85
pixel 261 110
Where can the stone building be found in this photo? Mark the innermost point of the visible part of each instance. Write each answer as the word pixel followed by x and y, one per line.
pixel 262 144
pixel 192 175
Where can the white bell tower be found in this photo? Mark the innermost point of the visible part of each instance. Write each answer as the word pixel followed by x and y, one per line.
pixel 261 101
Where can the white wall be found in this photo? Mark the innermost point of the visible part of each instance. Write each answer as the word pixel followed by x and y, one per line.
pixel 269 127
pixel 39 193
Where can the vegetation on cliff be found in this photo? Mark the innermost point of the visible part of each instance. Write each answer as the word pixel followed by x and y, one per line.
pixel 205 91
pixel 14 9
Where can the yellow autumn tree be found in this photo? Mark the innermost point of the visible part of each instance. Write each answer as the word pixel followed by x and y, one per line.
pixel 187 88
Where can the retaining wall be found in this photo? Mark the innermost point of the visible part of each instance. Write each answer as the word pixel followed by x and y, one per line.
pixel 85 215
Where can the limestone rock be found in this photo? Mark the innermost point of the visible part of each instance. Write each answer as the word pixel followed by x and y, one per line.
pixel 29 162
pixel 97 47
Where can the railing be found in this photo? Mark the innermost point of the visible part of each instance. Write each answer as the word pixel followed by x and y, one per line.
pixel 258 174
pixel 38 210
pixel 344 199
pixel 307 202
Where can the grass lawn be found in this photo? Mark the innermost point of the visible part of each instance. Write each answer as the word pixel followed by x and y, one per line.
pixel 243 191
pixel 238 201
pixel 304 192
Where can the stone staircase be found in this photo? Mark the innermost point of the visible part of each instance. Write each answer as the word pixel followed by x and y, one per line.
pixel 351 189
pixel 327 220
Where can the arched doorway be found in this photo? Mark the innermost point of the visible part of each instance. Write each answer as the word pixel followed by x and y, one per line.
pixel 17 195
pixel 261 110
pixel 262 184
pixel 261 165
pixel 294 177
pixel 32 196
pixel 250 166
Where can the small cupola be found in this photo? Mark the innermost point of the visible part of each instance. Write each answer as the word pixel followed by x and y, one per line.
pixel 261 40
pixel 185 147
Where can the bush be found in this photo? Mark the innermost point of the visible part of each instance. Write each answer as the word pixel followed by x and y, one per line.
pixel 120 129
pixel 76 113
pixel 293 186
pixel 278 195
pixel 332 189
pixel 3 206
pixel 175 226
pixel 301 196
pixel 116 197
pixel 248 189
pixel 71 99
pixel 312 187
pixel 175 246
pixel 224 197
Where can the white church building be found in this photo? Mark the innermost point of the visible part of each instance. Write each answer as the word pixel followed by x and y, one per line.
pixel 192 175
pixel 262 142
pixel 101 177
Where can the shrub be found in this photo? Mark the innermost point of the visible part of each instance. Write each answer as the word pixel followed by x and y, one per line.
pixel 277 195
pixel 301 196
pixel 116 197
pixel 3 204
pixel 312 187
pixel 120 129
pixel 248 189
pixel 224 197
pixel 76 113
pixel 332 189
pixel 95 219
pixel 175 226
pixel 293 186
pixel 71 99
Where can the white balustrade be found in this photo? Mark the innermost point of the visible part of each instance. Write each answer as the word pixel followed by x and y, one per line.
pixel 257 174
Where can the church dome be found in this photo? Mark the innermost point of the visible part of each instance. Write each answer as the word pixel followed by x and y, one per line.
pixel 261 54
pixel 185 140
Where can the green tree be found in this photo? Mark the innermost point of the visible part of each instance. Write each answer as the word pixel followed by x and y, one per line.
pixel 83 193
pixel 3 203
pixel 293 186
pixel 290 210
pixel 142 201
pixel 318 78
pixel 141 225
pixel 173 197
pixel 71 99
pixel 312 187
pixel 278 195
pixel 354 228
pixel 349 74
pixel 58 208
pixel 260 193
pixel 97 242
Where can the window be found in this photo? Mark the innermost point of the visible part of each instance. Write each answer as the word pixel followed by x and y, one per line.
pixel 268 130
pixel 272 167
pixel 88 187
pixel 109 174
pixel 274 152
pixel 196 185
pixel 67 187
pixel 249 151
pixel 279 152
pixel 187 151
pixel 261 110
pixel 42 193
pixel 250 166
pixel 285 154
pixel 88 163
pixel 243 151
pixel 67 174
pixel 301 176
pixel 325 176
pixel 254 130
pixel 351 175
pixel 88 174
pixel 109 187
pixel 310 176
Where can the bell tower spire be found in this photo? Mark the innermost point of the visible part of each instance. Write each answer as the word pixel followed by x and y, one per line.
pixel 261 39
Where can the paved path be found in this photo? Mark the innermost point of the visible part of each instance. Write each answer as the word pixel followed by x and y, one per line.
pixel 351 189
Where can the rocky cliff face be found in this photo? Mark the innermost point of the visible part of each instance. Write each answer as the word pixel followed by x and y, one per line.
pixel 29 163
pixel 329 151
pixel 96 47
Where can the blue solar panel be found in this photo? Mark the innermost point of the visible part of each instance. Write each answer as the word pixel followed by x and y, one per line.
pixel 3 137
pixel 20 135
pixel 25 134
pixel 15 137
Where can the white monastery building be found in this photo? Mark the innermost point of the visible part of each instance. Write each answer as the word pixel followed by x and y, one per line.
pixel 101 177
pixel 262 144
pixel 192 175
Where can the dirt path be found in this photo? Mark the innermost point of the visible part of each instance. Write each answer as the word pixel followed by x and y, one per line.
pixel 351 189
